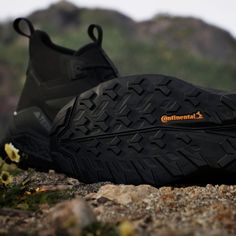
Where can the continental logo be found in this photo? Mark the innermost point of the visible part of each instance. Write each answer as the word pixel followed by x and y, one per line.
pixel 195 116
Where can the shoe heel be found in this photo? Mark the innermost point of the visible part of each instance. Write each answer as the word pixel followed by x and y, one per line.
pixel 29 132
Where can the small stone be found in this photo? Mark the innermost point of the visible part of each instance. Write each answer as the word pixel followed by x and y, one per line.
pixel 102 200
pixel 51 172
pixel 223 189
pixel 71 216
pixel 209 186
pixel 125 194
pixel 72 181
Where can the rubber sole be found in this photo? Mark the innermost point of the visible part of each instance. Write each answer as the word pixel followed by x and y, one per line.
pixel 148 129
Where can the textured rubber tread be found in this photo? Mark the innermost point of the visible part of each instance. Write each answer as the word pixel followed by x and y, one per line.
pixel 114 132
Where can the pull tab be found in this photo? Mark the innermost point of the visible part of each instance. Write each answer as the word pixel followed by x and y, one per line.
pixel 16 25
pixel 92 35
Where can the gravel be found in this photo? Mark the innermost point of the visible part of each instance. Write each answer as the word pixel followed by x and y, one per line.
pixel 179 210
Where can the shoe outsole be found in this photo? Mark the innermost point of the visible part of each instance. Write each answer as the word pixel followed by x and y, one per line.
pixel 116 132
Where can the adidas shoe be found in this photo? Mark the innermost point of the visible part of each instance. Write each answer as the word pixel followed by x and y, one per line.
pixel 146 129
pixel 54 76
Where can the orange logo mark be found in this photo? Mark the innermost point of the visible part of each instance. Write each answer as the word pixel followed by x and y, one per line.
pixel 195 116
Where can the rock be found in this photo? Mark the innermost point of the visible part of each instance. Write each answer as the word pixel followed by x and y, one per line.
pixel 51 172
pixel 72 181
pixel 124 194
pixel 70 217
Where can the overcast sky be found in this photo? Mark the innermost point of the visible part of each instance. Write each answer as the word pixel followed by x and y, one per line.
pixel 218 12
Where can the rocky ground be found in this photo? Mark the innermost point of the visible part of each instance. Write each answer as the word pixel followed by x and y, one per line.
pixel 67 207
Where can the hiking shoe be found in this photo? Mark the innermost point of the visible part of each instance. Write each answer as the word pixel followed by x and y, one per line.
pixel 54 76
pixel 146 129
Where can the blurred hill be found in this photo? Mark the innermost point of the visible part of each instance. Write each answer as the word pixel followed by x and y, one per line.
pixel 187 48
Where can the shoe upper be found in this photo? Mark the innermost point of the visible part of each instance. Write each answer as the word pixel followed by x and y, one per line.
pixel 56 74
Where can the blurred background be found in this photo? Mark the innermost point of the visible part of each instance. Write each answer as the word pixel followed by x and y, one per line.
pixel 192 40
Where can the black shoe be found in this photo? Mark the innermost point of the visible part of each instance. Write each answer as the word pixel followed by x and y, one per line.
pixel 54 76
pixel 146 129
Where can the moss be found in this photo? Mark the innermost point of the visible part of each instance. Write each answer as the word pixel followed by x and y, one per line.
pixel 16 197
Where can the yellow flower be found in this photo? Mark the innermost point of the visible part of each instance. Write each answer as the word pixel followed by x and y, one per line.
pixel 5 178
pixel 12 152
pixel 126 229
